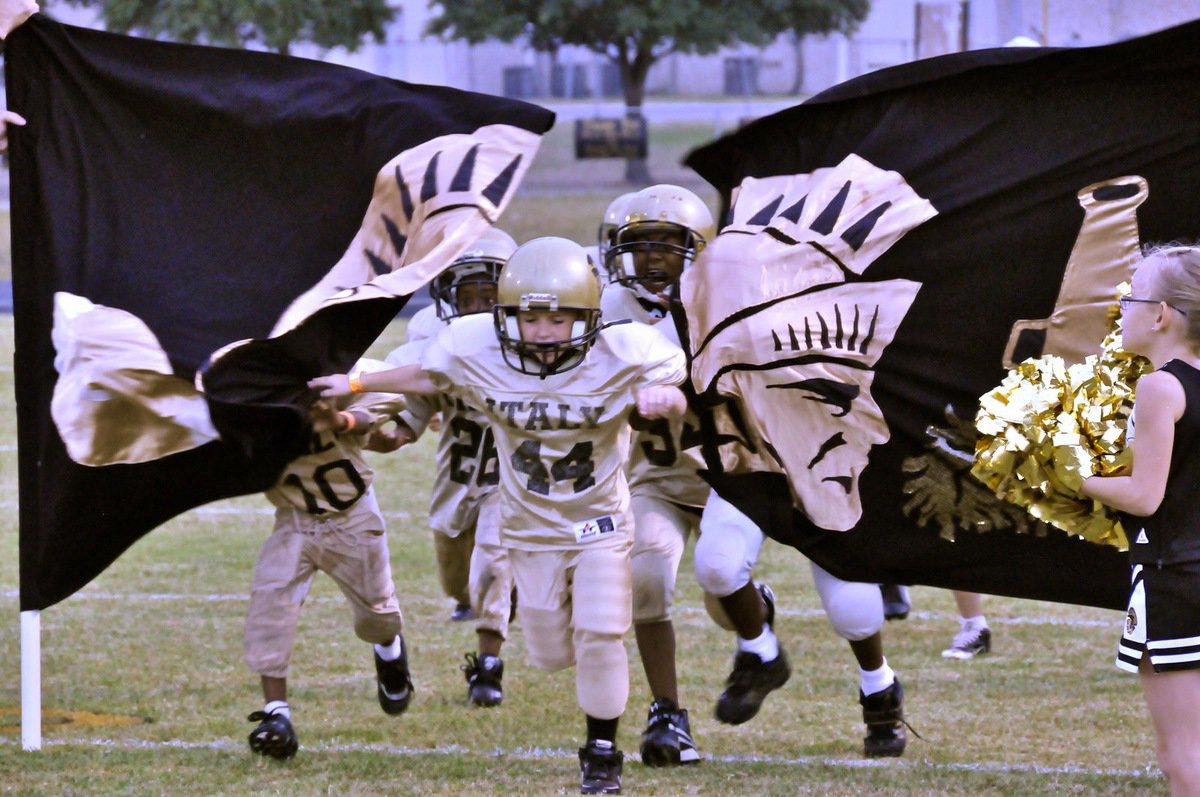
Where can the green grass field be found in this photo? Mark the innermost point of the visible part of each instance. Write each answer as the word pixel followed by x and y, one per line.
pixel 145 691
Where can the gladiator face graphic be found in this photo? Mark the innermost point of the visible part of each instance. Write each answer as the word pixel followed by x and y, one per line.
pixel 784 319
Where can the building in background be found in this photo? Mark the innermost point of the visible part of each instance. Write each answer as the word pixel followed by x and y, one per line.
pixel 896 31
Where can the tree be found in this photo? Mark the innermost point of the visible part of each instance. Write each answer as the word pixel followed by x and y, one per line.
pixel 635 35
pixel 274 24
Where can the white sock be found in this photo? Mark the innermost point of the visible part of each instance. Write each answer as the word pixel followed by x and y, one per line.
pixel 765 645
pixel 389 652
pixel 278 707
pixel 977 623
pixel 872 681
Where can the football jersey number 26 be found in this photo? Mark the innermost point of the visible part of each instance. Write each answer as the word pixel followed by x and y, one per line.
pixel 476 449
pixel 575 465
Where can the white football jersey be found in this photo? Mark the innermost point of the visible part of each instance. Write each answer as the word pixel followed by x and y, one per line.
pixel 561 441
pixel 465 458
pixel 666 454
pixel 425 323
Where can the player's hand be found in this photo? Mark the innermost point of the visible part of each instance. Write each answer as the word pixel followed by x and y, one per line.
pixel 386 438
pixel 331 386
pixel 8 118
pixel 661 401
pixel 435 422
pixel 324 417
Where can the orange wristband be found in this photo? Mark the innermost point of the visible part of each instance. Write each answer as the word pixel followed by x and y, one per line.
pixel 356 384
pixel 350 420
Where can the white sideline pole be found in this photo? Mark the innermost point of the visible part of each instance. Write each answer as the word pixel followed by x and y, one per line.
pixel 31 680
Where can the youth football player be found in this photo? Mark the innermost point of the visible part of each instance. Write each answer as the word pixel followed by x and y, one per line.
pixel 326 519
pixel 559 390
pixel 464 502
pixel 661 230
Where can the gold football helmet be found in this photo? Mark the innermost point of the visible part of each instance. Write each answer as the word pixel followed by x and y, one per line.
pixel 614 217
pixel 479 264
pixel 547 274
pixel 662 222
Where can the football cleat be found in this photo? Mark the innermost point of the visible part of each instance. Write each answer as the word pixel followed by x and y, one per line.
pixel 968 644
pixel 274 736
pixel 462 612
pixel 752 679
pixel 600 766
pixel 483 679
pixel 393 684
pixel 897 602
pixel 748 685
pixel 883 712
pixel 667 740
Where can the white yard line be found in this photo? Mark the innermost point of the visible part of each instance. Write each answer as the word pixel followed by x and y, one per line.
pixel 268 511
pixel 13 594
pixel 541 754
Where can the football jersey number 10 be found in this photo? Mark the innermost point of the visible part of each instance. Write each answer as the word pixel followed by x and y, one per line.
pixel 576 465
pixel 320 478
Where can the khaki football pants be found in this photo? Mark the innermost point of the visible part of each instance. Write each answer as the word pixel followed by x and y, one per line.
pixel 352 548
pixel 575 607
pixel 660 535
pixel 454 563
pixel 491 580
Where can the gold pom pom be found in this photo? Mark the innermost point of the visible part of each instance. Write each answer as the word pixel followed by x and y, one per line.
pixel 1047 427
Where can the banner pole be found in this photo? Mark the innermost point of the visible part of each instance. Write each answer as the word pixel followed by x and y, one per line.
pixel 31 680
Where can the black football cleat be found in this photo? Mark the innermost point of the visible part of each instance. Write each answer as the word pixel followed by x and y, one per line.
pixel 883 712
pixel 393 684
pixel 600 769
pixel 897 601
pixel 752 679
pixel 274 736
pixel 667 740
pixel 484 674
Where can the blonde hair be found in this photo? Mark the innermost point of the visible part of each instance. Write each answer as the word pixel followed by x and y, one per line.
pixel 1177 280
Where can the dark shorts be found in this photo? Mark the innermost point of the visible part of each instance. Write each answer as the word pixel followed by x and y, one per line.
pixel 1163 618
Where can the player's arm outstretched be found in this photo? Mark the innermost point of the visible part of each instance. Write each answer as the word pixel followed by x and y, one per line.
pixel 404 379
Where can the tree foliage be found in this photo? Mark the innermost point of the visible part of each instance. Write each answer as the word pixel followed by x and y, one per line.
pixel 274 24
pixel 634 35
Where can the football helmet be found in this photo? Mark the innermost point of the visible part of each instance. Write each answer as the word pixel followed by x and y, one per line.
pixel 547 274
pixel 614 217
pixel 480 263
pixel 665 227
